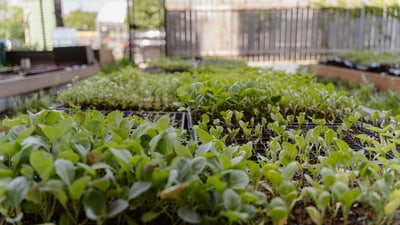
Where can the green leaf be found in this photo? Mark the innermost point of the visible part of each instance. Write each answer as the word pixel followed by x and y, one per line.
pixel 375 200
pixel 198 164
pixel 116 207
pixel 231 200
pixel 149 216
pixel 14 132
pixel 278 210
pixel 65 220
pixel 123 156
pixel 216 182
pixel 56 187
pixel 52 133
pixel 138 188
pixel 65 170
pixel 237 179
pixel 49 117
pixel 204 148
pixel 35 143
pixel 393 204
pixel 314 214
pixel 16 191
pixel 69 155
pixel 204 136
pixel 349 197
pixel 42 162
pixel 162 123
pixel 94 203
pixel 289 170
pixel 189 216
pixel 78 187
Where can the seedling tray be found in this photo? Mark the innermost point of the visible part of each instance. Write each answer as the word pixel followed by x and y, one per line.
pixel 180 120
pixel 260 142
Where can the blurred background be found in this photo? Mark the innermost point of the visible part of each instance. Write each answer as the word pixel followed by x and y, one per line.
pixel 254 30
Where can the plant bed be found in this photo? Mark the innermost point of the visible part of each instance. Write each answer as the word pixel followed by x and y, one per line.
pixel 180 120
pixel 365 60
pixel 318 162
pixel 381 81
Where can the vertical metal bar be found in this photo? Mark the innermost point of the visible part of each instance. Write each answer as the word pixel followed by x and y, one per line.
pixel 361 30
pixel 295 32
pixel 166 21
pixel 43 25
pixel 306 55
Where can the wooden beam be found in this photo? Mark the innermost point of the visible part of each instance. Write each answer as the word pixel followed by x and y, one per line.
pixel 382 82
pixel 22 85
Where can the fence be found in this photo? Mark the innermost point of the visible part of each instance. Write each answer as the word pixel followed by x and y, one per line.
pixel 290 34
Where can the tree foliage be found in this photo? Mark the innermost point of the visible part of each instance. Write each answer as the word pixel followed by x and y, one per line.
pixel 11 21
pixel 148 14
pixel 80 20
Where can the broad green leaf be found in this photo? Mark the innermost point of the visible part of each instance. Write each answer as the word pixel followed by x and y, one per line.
pixel 216 182
pixel 65 170
pixel 338 188
pixel 35 143
pixel 42 162
pixel 49 117
pixel 341 145
pixel 204 137
pixel 16 191
pixel 183 151
pixel 138 188
pixel 183 167
pixel 78 187
pixel 102 183
pixel 197 165
pixel 149 216
pixel 52 133
pixel 158 177
pixel 330 135
pixel 14 132
pixel 375 200
pixel 314 214
pixel 116 207
pixel 189 216
pixel 324 200
pixel 162 123
pixel 328 176
pixel 237 179
pixel 393 204
pixel 94 203
pixel 231 200
pixel 123 156
pixel 6 173
pixel 278 211
pixel 289 170
pixel 69 155
pixel 349 197
pixel 204 148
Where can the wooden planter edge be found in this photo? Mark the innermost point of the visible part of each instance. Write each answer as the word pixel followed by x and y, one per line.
pixel 382 81
pixel 12 87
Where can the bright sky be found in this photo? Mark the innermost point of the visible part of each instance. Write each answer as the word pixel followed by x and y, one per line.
pixel 70 5
pixel 85 5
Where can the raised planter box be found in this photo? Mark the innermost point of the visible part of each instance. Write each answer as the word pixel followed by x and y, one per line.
pixel 381 81
pixel 21 85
